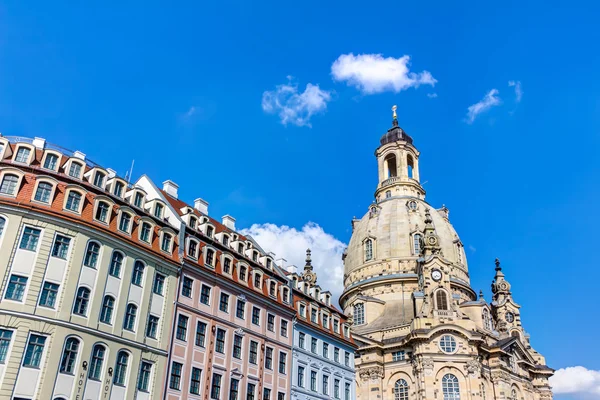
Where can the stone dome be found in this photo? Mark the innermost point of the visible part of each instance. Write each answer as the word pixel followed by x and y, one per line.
pixel 391 224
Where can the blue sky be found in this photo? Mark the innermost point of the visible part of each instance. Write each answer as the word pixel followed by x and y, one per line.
pixel 182 91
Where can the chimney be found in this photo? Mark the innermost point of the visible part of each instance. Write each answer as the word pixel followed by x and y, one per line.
pixel 201 205
pixel 78 154
pixel 171 188
pixel 228 221
pixel 40 143
pixel 292 269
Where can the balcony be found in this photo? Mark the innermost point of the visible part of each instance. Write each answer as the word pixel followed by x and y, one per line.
pixel 390 181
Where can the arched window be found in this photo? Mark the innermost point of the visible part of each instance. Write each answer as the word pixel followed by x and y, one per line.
pixel 43 192
pixel 138 273
pixel 73 201
pixel 388 194
pixel 391 168
pixel 108 305
pixel 91 255
pixel 81 301
pixel 146 232
pixel 410 166
pixel 487 323
pixel 272 289
pixel 513 394
pixel 401 390
pixel 51 161
pixel 69 356
pixel 102 211
pixel 130 314
pixel 2 225
pixel 116 262
pixel 441 300
pixel 359 314
pixel 121 368
pixel 9 184
pixel 450 388
pixel 124 222
pixel 96 362
pixel 165 245
pixel 368 250
pixel 417 240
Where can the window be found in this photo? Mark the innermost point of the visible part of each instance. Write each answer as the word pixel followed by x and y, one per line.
pixel 448 344
pixel 325 321
pixel 91 255
pixel 313 345
pixel 325 350
pixel 49 294
pixel 193 249
pixel 257 278
pixel 313 381
pixel 102 211
pixel 215 390
pixel 205 295
pixel 99 179
pixel 43 192
pixel 124 222
pixel 166 242
pixel 225 240
pixel 175 380
pixel 144 379
pixel 284 328
pixel 272 289
pixel 240 309
pixel 138 273
pixel 224 302
pixel 119 189
pixel 417 240
pixel 336 388
pixel 227 266
pixel 51 161
pixel 253 352
pixel 300 376
pixel 347 359
pixel 145 232
pixel 209 231
pixel 441 300
pixel 34 351
pixel 220 342
pixel 158 209
pixel 388 194
pixel 138 199
pixel 193 222
pixel 401 390
pixel 16 287
pixel 280 396
pixel 313 315
pixel 450 388
pixel 5 337
pixel 243 271
pixel 325 384
pixel 398 356
pixel 69 356
pixel 152 327
pixel 81 301
pixel 61 247
pixel 182 323
pixel 513 394
pixel 2 223
pixel 9 185
pixel 22 154
pixel 487 323
pixel 302 309
pixel 250 392
pixel 73 201
pixel 30 238
pixel 286 294
pixel 195 380
pixel 96 362
pixel 269 358
pixel 301 339
pixel 116 262
pixel 200 333
pixel 121 368
pixel 336 354
pixel 271 322
pixel 159 284
pixel 210 255
pixel 359 314
pixel 256 315
pixel 186 288
pixel 237 346
pixel 75 170
pixel 347 391
pixel 234 389
pixel 368 250
pixel 282 362
pixel 254 256
pixel 130 315
pixel 267 394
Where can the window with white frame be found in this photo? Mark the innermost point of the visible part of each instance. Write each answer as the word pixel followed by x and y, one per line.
pixel 102 211
pixel 401 390
pixel 359 314
pixel 167 242
pixel 22 155
pixel 125 222
pixel 34 351
pixel 119 188
pixel 43 192
pixel 450 387
pixel 146 232
pixel 51 161
pixel 193 249
pixel 9 184
pixel 99 179
pixel 417 240
pixel 73 202
pixel 368 249
pixel 30 238
pixel 448 344
pixel 75 170
pixel 398 355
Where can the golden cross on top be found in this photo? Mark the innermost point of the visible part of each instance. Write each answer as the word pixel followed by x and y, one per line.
pixel 394 108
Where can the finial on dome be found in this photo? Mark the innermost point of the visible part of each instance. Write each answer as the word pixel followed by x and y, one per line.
pixel 308 260
pixel 498 267
pixel 394 115
pixel 480 294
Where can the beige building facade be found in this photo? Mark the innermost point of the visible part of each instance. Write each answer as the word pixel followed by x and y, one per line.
pixel 422 331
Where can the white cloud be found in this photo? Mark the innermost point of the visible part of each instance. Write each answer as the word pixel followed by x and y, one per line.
pixel 291 244
pixel 191 111
pixel 372 73
pixel 576 380
pixel 294 107
pixel 490 100
pixel 432 95
pixel 518 90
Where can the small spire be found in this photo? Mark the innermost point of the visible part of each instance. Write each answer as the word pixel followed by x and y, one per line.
pixel 498 267
pixel 480 294
pixel 394 115
pixel 308 260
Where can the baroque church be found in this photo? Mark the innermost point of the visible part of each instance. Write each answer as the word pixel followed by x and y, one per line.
pixel 422 331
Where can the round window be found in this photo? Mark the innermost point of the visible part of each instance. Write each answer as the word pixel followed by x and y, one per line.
pixel 412 205
pixel 448 344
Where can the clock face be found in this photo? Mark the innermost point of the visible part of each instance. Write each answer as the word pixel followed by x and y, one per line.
pixel 436 275
pixel 510 317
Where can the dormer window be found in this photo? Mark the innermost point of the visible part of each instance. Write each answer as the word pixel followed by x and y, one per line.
pixel 325 321
pixel 210 255
pixel 302 310
pixel 227 266
pixel 119 186
pixel 336 326
pixel 225 240
pixel 99 179
pixel 125 222
pixel 73 201
pixel 138 200
pixel 158 210
pixel 102 210
pixel 240 248
pixel 22 155
pixel 146 232
pixel 193 248
pixel 269 263
pixel 167 242
pixel 257 279
pixel 273 289
pixel 286 295
pixel 9 184
pixel 75 170
pixel 51 161
pixel 255 256
pixel 209 231
pixel 243 272
pixel 193 222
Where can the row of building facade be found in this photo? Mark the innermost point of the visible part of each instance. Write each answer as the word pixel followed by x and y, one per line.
pixel 119 290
